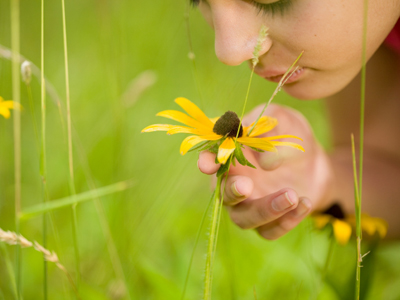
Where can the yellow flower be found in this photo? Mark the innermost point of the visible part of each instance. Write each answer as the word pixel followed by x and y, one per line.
pixel 343 225
pixel 222 129
pixel 5 107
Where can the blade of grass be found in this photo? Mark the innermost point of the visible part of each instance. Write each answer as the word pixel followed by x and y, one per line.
pixel 70 154
pixel 358 190
pixel 43 168
pixel 59 203
pixel 71 200
pixel 358 220
pixel 16 90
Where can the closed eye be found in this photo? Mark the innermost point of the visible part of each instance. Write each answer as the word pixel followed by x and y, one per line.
pixel 276 7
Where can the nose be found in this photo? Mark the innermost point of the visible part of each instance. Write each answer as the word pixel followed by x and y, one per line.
pixel 236 34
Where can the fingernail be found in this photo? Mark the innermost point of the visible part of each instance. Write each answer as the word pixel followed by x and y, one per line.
pixel 303 207
pixel 235 190
pixel 282 202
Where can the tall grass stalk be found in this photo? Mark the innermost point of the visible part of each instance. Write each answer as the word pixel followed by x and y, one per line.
pixel 16 92
pixel 43 168
pixel 358 190
pixel 358 220
pixel 281 83
pixel 70 154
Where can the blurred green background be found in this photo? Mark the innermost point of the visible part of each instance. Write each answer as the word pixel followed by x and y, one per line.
pixel 129 60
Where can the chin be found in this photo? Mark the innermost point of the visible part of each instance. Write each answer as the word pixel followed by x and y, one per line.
pixel 312 90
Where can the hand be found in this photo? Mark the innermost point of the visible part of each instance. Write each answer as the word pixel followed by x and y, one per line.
pixel 286 185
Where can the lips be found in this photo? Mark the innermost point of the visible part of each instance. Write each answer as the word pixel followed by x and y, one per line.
pixel 276 76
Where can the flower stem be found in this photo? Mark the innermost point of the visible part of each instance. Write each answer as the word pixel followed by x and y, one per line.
pixel 212 240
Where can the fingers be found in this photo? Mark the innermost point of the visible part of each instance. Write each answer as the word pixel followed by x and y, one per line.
pixel 287 222
pixel 237 189
pixel 254 213
pixel 206 163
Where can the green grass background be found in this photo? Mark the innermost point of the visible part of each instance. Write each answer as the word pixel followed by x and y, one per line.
pixel 154 223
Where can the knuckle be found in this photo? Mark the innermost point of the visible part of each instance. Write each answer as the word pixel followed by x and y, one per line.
pixel 288 224
pixel 262 212
pixel 237 220
pixel 268 235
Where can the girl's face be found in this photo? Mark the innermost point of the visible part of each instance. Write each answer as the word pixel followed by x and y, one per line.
pixel 329 32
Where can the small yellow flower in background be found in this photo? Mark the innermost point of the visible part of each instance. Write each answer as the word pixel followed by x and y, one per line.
pixel 343 225
pixel 218 134
pixel 5 107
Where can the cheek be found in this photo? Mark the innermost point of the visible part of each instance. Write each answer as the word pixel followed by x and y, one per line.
pixel 328 40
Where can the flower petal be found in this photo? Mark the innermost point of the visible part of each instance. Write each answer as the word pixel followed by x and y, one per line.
pixel 321 220
pixel 261 120
pixel 11 104
pixel 257 143
pixel 381 227
pixel 183 129
pixel 182 118
pixel 158 127
pixel 342 231
pixel 194 111
pixel 193 140
pixel 213 120
pixel 289 144
pixel 225 150
pixel 277 137
pixel 4 112
pixel 372 225
pixel 263 125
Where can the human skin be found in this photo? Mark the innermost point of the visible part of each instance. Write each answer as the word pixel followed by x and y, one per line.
pixel 330 33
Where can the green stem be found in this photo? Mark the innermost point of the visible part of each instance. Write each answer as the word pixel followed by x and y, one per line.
pixel 212 240
pixel 285 77
pixel 360 173
pixel 43 170
pixel 16 89
pixel 70 154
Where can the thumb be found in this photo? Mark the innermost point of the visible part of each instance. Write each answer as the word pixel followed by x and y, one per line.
pixel 290 122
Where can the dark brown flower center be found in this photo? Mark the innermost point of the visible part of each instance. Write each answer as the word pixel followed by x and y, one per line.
pixel 335 211
pixel 228 125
